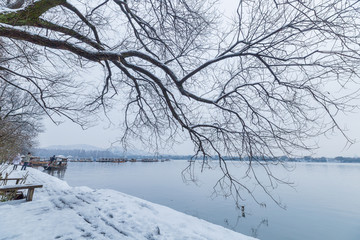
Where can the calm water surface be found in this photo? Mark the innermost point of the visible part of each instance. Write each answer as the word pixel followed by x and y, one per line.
pixel 325 203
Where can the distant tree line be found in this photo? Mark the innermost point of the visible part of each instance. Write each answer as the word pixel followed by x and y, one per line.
pixel 75 153
pixel 95 154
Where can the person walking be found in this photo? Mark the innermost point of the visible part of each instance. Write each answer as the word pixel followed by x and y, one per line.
pixel 16 161
pixel 52 159
pixel 26 161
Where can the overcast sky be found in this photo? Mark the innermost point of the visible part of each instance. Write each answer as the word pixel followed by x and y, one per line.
pixel 102 136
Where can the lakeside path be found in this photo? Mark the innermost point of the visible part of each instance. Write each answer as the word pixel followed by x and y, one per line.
pixel 59 211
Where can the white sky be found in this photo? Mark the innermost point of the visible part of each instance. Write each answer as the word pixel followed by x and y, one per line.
pixel 102 136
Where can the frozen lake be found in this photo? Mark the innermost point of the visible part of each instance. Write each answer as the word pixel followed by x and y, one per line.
pixel 325 203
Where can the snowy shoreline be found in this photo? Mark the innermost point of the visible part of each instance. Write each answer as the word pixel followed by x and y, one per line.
pixel 59 211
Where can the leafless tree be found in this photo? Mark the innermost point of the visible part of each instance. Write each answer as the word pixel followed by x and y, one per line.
pixel 253 85
pixel 20 122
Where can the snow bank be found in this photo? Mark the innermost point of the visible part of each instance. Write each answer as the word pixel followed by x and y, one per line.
pixel 59 211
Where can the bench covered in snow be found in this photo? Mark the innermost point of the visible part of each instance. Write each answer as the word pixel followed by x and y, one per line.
pixel 18 179
pixel 29 187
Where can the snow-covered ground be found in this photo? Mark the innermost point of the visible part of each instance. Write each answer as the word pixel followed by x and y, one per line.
pixel 59 211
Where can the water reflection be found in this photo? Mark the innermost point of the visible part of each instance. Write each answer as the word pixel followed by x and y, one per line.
pixel 255 231
pixel 59 173
pixel 234 226
pixel 240 219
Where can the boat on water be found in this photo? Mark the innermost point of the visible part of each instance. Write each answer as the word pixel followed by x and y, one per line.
pixel 37 161
pixel 113 160
pixel 53 167
pixel 58 163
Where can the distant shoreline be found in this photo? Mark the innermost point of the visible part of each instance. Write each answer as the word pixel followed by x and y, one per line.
pixel 98 154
